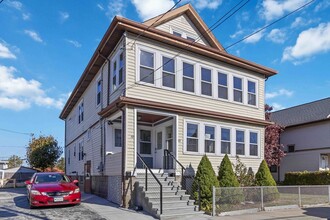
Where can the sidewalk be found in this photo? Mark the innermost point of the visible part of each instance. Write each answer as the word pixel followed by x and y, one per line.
pixel 110 210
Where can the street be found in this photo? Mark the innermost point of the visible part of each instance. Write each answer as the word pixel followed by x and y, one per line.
pixel 14 205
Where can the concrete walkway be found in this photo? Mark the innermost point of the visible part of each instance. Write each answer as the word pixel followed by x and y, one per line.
pixel 110 210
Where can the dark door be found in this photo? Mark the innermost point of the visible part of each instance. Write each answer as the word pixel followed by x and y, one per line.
pixel 87 180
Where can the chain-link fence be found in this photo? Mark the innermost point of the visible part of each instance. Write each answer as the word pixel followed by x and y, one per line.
pixel 259 198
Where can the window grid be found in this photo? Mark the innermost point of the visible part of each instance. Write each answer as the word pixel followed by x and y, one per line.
pixel 222 85
pixel 206 81
pixel 188 77
pixel 168 72
pixel 146 67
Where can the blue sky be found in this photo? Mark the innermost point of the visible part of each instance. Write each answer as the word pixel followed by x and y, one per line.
pixel 45 46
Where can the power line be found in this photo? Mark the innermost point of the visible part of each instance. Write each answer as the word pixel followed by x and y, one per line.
pixel 216 24
pixel 12 146
pixel 153 23
pixel 15 132
pixel 268 25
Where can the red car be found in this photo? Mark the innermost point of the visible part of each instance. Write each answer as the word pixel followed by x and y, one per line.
pixel 48 189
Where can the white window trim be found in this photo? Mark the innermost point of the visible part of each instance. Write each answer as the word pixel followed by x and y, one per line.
pixel 218 126
pixel 96 90
pixel 197 77
pixel 116 58
pixel 175 72
pixel 215 137
pixel 218 85
pixel 201 81
pixel 242 90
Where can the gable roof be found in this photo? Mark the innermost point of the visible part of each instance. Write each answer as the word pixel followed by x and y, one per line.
pixel 194 17
pixel 302 114
pixel 119 26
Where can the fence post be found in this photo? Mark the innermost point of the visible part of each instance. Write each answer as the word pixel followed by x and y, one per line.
pixel 213 200
pixel 329 193
pixel 299 196
pixel 262 198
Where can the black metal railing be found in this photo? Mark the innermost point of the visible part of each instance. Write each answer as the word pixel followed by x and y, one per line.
pixel 147 169
pixel 169 161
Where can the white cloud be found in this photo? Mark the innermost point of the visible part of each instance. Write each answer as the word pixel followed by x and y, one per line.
pixel 254 38
pixel 281 92
pixel 34 35
pixel 150 8
pixel 5 52
pixel 100 6
pixel 26 16
pixel 236 34
pixel 17 93
pixel 322 5
pixel 115 8
pixel 64 16
pixel 74 43
pixel 277 36
pixel 15 4
pixel 209 4
pixel 309 42
pixel 300 22
pixel 272 9
pixel 276 106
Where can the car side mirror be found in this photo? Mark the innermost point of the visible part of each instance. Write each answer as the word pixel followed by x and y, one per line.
pixel 28 182
pixel 75 182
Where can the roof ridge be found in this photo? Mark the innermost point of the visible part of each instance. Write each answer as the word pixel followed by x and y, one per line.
pixel 296 106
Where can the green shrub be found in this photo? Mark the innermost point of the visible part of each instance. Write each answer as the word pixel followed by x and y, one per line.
pixel 206 179
pixel 244 175
pixel 307 178
pixel 265 178
pixel 227 178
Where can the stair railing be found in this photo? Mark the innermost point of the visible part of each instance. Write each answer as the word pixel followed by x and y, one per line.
pixel 146 167
pixel 168 164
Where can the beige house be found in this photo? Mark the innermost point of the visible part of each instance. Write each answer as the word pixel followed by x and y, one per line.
pixel 305 138
pixel 170 86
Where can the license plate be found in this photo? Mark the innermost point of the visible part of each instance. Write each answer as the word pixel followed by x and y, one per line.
pixel 58 199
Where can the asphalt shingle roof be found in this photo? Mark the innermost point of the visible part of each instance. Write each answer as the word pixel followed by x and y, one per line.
pixel 301 114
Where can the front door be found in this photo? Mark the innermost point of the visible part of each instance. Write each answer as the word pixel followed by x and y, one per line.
pixel 87 177
pixel 145 146
pixel 159 148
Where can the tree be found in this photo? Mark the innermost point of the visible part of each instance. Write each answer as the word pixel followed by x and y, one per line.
pixel 274 151
pixel 265 178
pixel 226 174
pixel 61 164
pixel 14 161
pixel 244 175
pixel 43 152
pixel 206 179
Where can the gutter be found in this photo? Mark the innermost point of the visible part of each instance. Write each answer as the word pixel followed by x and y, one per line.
pixel 123 153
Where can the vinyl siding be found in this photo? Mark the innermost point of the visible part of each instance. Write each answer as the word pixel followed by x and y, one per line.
pixel 130 139
pixel 183 23
pixel 113 164
pixel 152 93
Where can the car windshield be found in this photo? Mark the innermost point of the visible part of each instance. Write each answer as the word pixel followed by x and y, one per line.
pixel 51 178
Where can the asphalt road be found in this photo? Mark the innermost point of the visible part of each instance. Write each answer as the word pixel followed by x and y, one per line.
pixel 14 205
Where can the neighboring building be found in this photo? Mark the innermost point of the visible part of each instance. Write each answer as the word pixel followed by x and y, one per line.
pixel 149 89
pixel 20 174
pixel 3 164
pixel 306 137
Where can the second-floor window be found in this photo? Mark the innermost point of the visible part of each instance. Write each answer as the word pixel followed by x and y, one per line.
pixel 147 67
pixel 188 77
pixel 206 83
pixel 222 86
pixel 114 75
pixel 81 112
pixel 238 89
pixel 98 92
pixel 117 70
pixel 121 68
pixel 168 72
pixel 252 99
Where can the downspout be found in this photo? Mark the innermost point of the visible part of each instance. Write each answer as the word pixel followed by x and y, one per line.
pixel 123 154
pixel 65 167
pixel 102 122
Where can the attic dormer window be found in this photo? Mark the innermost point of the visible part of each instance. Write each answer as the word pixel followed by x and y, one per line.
pixel 177 34
pixel 183 34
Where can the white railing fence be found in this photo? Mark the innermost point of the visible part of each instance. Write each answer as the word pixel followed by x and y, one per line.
pixel 260 198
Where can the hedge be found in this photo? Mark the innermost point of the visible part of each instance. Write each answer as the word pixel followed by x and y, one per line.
pixel 307 178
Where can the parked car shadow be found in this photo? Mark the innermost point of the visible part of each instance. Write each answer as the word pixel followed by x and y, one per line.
pixel 22 202
pixel 320 212
pixel 21 190
pixel 8 212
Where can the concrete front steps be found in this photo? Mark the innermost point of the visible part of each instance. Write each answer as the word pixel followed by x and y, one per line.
pixel 176 202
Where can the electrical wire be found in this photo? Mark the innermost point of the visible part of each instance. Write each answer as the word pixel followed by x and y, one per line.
pixel 15 132
pixel 270 24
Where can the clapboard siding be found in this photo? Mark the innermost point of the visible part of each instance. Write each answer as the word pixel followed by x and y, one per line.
pixel 113 164
pixel 152 93
pixel 130 139
pixel 183 23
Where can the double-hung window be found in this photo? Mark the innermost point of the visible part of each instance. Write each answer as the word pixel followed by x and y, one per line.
pixel 117 137
pixel 206 83
pixel 252 98
pixel 238 89
pixel 192 137
pixel 225 141
pixel 114 75
pixel 209 139
pixel 81 112
pixel 240 144
pixel 81 151
pixel 222 86
pixel 147 73
pixel 121 68
pixel 98 92
pixel 168 72
pixel 188 77
pixel 253 143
